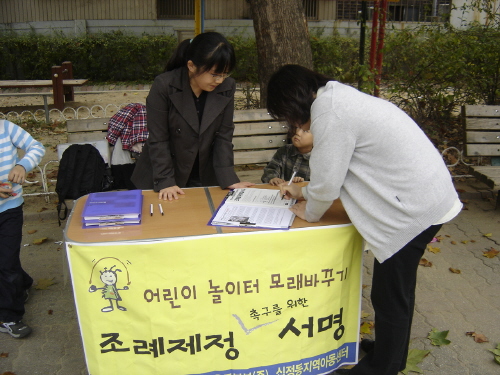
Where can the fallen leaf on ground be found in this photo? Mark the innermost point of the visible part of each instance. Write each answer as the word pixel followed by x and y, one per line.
pixel 40 241
pixel 478 337
pixel 415 356
pixel 43 284
pixel 366 327
pixel 42 209
pixel 454 270
pixel 491 253
pixel 433 249
pixel 496 352
pixel 424 262
pixel 464 241
pixel 4 355
pixel 50 312
pixel 488 234
pixel 453 242
pixel 32 231
pixel 438 338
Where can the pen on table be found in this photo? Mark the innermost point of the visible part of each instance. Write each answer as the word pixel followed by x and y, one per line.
pixel 151 209
pixel 161 208
pixel 289 182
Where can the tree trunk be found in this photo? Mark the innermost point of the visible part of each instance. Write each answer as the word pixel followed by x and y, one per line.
pixel 282 37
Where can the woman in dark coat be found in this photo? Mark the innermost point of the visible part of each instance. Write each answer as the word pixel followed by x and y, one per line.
pixel 190 121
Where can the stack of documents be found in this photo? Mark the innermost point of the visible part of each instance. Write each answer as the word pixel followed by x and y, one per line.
pixel 112 208
pixel 254 208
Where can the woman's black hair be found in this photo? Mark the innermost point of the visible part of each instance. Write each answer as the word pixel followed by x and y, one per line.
pixel 291 92
pixel 207 50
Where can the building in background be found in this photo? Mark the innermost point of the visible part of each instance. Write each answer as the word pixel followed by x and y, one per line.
pixel 230 17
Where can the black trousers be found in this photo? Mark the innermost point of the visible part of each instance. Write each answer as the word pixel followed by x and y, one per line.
pixel 393 299
pixel 13 279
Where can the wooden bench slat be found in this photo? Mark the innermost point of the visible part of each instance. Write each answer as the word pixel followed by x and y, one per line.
pixel 487 174
pixel 251 115
pixel 482 137
pixel 476 123
pixel 253 157
pixel 40 83
pixel 482 150
pixel 252 128
pixel 85 125
pixel 86 137
pixel 257 142
pixel 482 110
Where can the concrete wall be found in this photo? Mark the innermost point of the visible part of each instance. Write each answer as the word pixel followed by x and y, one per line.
pixel 181 28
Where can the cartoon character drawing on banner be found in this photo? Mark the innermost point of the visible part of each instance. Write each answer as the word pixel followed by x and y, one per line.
pixel 109 278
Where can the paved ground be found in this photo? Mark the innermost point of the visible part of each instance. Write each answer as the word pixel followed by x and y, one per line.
pixel 456 302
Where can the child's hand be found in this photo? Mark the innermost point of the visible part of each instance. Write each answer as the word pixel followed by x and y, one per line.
pixel 17 174
pixel 6 190
pixel 297 179
pixel 276 181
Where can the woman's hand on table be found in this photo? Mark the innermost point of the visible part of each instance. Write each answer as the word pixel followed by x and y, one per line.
pixel 299 209
pixel 240 185
pixel 170 193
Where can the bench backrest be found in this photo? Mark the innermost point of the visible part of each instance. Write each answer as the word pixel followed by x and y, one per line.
pixel 482 130
pixel 256 136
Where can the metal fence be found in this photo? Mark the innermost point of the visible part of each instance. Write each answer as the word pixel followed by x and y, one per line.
pixel 399 11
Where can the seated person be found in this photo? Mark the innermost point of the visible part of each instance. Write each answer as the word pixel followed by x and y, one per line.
pixel 290 158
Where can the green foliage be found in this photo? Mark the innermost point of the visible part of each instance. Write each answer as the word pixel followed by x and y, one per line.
pixel 337 57
pixel 433 70
pixel 245 50
pixel 98 57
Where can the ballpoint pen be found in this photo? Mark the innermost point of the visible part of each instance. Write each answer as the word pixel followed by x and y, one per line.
pixel 289 182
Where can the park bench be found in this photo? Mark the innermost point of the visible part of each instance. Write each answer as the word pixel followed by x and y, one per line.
pixel 482 139
pixel 256 138
pixel 62 84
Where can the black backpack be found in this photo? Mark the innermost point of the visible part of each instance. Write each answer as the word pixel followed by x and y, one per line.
pixel 82 170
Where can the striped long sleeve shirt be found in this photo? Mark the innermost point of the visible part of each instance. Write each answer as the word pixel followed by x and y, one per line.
pixel 12 138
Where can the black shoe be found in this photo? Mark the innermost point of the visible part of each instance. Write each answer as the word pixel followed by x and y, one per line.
pixel 367 345
pixel 15 329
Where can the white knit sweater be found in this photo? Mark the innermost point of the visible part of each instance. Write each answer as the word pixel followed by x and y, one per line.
pixel 391 179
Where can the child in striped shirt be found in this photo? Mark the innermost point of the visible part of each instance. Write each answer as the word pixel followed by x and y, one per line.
pixel 14 281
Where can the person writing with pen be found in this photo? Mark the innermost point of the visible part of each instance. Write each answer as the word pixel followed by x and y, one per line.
pixel 190 111
pixel 393 184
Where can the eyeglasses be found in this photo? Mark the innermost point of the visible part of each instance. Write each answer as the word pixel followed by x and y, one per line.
pixel 220 76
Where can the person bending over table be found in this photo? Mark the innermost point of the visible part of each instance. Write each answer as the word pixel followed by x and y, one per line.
pixel 392 182
pixel 190 121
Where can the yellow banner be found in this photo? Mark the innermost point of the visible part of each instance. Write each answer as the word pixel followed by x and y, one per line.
pixel 273 302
